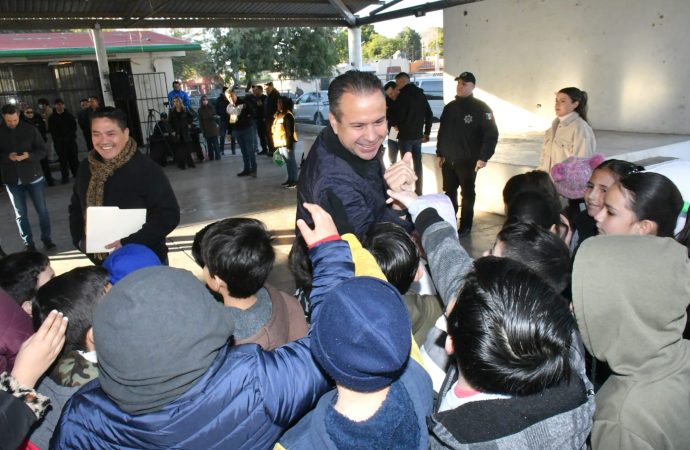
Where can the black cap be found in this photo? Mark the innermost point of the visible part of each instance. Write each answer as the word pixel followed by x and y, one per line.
pixel 467 76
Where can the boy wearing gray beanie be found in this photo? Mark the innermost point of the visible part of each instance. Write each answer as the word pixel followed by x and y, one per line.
pixel 170 378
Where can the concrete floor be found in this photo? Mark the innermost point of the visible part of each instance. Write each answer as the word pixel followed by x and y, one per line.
pixel 205 194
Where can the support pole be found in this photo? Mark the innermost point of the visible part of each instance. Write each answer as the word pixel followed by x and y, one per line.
pixel 102 61
pixel 354 47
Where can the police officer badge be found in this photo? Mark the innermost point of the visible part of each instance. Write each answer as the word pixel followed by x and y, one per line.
pixel 468 119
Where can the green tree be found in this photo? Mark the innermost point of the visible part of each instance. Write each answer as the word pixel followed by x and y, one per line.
pixel 295 52
pixel 242 50
pixel 195 63
pixel 410 43
pixel 305 52
pixel 433 41
pixel 379 47
pixel 341 41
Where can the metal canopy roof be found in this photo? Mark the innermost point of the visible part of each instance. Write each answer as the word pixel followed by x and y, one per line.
pixel 75 14
pixel 70 14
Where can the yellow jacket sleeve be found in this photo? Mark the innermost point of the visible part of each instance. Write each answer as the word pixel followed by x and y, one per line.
pixel 366 266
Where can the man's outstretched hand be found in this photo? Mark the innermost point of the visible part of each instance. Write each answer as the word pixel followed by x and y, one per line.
pixel 324 227
pixel 400 176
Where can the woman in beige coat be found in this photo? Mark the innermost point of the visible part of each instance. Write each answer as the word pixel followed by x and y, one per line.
pixel 570 134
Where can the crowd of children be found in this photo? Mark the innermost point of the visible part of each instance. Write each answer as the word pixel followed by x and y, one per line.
pixel 398 342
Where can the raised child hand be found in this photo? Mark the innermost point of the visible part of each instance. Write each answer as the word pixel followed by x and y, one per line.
pixel 39 351
pixel 323 225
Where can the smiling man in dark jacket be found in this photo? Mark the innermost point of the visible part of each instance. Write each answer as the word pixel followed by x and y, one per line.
pixel 345 161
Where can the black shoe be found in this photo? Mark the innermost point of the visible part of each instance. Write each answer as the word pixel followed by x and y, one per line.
pixel 464 232
pixel 193 166
pixel 285 184
pixel 291 186
pixel 29 248
pixel 263 152
pixel 253 174
pixel 244 173
pixel 49 245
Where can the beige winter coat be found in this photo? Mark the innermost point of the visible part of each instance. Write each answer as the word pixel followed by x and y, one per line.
pixel 569 136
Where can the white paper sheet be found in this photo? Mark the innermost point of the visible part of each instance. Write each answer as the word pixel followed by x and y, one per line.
pixel 107 224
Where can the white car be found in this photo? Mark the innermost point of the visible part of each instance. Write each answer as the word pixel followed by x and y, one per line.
pixel 433 89
pixel 312 107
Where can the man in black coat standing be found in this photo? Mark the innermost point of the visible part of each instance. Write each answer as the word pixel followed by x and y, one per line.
pixel 467 139
pixel 84 120
pixel 35 119
pixel 412 116
pixel 270 108
pixel 63 127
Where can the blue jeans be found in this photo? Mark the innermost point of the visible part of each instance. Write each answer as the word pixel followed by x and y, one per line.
pixel 291 165
pixel 244 138
pixel 17 195
pixel 255 139
pixel 213 148
pixel 414 146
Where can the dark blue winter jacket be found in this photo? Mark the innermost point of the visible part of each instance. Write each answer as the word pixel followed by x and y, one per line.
pixel 245 400
pixel 358 184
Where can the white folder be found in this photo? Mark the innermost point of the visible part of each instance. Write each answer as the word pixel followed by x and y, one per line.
pixel 107 224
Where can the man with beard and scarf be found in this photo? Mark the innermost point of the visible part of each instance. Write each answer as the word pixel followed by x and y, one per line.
pixel 116 174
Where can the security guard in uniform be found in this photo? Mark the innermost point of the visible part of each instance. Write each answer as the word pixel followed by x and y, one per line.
pixel 466 140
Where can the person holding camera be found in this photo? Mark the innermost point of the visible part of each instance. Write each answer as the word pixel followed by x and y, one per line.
pixel 21 151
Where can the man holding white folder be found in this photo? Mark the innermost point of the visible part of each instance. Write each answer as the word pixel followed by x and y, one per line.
pixel 115 174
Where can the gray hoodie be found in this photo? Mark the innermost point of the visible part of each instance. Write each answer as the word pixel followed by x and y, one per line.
pixel 630 294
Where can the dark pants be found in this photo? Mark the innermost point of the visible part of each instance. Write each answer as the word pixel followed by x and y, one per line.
pixel 461 175
pixel 393 151
pixel 244 138
pixel 414 146
pixel 269 135
pixel 47 174
pixel 263 135
pixel 67 153
pixel 87 139
pixel 183 154
pixel 213 147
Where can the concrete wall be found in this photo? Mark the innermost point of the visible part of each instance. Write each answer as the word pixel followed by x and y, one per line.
pixel 631 56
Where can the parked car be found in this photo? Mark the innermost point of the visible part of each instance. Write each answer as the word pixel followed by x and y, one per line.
pixel 312 107
pixel 433 89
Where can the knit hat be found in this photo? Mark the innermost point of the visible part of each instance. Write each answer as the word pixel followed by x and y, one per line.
pixel 157 332
pixel 362 336
pixel 127 259
pixel 571 176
